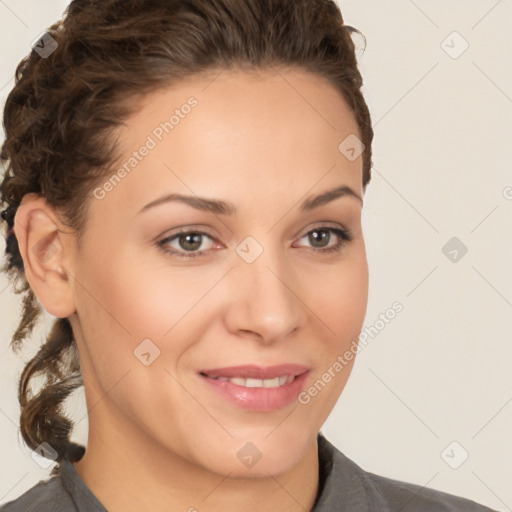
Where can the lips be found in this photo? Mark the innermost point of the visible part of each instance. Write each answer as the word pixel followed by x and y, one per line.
pixel 257 388
pixel 256 372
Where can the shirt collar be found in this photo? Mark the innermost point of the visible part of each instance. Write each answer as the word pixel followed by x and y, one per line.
pixel 84 499
pixel 345 486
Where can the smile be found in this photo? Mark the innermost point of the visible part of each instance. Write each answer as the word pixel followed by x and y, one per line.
pixel 256 388
pixel 257 383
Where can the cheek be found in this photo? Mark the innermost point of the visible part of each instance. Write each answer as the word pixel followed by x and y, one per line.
pixel 135 301
pixel 161 301
pixel 341 306
pixel 141 295
pixel 341 300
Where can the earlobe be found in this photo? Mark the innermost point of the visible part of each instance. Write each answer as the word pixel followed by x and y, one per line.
pixel 46 259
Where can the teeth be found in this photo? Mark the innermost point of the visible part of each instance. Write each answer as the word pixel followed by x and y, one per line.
pixel 259 383
pixel 272 383
pixel 285 379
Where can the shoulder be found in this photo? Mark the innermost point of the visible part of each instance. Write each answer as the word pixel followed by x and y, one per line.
pixel 348 484
pixel 399 495
pixel 46 496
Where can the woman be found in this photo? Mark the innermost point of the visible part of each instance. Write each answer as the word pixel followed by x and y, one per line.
pixel 185 185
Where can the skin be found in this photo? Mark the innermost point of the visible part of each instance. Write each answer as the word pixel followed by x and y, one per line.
pixel 159 438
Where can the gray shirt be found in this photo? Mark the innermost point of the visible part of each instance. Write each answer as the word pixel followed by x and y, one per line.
pixel 343 487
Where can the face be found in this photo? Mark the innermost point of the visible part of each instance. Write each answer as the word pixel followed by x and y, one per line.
pixel 172 299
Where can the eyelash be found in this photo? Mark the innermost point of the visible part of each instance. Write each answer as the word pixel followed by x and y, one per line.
pixel 344 236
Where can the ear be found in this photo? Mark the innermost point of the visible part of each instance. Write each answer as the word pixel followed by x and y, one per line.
pixel 46 247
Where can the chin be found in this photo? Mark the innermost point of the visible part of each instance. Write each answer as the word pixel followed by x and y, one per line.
pixel 255 454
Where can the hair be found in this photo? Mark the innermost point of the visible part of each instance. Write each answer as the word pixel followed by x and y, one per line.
pixel 61 114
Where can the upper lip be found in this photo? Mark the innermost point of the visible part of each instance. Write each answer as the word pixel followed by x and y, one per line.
pixel 252 371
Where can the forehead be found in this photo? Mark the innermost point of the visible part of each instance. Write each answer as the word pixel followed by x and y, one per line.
pixel 231 130
pixel 230 99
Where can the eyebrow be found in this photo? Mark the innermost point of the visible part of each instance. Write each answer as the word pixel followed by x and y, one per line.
pixel 219 207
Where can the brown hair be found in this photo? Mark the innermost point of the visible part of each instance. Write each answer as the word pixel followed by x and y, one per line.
pixel 60 116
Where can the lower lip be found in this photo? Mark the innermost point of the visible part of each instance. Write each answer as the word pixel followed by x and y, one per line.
pixel 258 399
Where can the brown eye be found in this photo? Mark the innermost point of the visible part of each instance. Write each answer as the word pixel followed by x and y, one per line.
pixel 320 237
pixel 190 241
pixel 187 244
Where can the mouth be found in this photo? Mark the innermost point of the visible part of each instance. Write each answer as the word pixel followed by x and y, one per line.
pixel 255 383
pixel 257 388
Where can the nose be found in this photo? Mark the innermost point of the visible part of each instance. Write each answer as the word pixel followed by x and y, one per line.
pixel 265 299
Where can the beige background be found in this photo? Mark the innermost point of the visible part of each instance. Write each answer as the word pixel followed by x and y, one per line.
pixel 439 371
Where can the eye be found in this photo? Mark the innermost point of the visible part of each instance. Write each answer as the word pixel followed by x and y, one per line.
pixel 321 236
pixel 189 244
